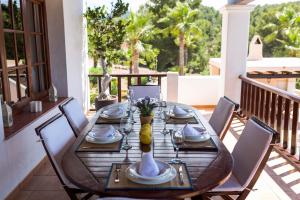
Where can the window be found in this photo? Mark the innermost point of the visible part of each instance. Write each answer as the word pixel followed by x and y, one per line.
pixel 24 68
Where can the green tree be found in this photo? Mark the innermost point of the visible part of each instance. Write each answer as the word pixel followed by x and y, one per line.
pixel 139 27
pixel 181 20
pixel 106 31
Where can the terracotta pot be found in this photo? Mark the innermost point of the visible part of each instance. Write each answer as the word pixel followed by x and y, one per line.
pixel 102 103
pixel 146 119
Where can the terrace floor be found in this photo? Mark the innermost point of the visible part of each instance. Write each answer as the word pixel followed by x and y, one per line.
pixel 279 180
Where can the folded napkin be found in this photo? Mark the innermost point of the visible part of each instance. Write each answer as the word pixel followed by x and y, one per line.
pixel 189 131
pixel 178 111
pixel 102 132
pixel 148 166
pixel 114 112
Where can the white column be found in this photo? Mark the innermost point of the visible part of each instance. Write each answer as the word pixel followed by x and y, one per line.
pixel 172 86
pixel 76 50
pixel 235 36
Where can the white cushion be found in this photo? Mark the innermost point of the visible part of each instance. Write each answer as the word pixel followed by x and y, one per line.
pixel 232 184
pixel 247 154
pixel 221 115
pixel 153 91
pixel 75 115
pixel 58 136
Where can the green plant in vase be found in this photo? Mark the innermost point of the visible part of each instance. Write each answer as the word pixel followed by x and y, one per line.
pixel 146 109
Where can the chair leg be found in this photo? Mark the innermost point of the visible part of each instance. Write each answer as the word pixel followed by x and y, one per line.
pixel 71 194
pixel 87 196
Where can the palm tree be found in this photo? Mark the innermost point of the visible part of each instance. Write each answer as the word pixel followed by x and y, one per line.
pixel 138 28
pixel 182 25
pixel 286 30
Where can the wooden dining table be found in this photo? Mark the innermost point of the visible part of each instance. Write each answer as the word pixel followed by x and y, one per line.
pixel 90 170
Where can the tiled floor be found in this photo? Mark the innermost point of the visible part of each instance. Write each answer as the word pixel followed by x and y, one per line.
pixel 279 180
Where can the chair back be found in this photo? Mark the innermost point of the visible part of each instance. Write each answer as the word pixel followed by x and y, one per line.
pixel 74 114
pixel 222 116
pixel 56 136
pixel 252 151
pixel 140 91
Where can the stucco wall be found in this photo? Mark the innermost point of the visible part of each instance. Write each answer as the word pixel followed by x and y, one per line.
pixel 21 153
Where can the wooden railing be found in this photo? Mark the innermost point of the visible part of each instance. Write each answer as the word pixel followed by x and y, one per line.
pixel 276 107
pixel 132 79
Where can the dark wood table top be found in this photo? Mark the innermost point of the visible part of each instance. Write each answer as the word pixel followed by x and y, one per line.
pixel 90 170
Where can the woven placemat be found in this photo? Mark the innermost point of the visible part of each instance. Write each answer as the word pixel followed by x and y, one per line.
pixel 191 120
pixel 126 184
pixel 86 146
pixel 208 145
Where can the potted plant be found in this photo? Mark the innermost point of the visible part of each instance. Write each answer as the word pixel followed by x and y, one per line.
pixel 146 109
pixel 105 98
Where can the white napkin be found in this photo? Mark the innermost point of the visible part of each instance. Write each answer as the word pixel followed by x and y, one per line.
pixel 102 132
pixel 188 130
pixel 179 111
pixel 148 166
pixel 114 112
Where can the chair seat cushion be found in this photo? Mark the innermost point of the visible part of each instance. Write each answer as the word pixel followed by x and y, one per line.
pixel 232 184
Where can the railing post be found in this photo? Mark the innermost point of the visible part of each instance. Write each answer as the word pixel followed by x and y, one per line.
pixel 119 89
pixel 139 81
pixel 286 123
pixel 243 98
pixel 294 128
pixel 273 110
pixel 129 80
pixel 257 102
pixel 159 80
pixel 279 114
pixel 262 104
pixel 267 108
pixel 99 84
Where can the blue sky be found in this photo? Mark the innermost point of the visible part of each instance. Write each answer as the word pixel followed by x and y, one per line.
pixel 134 4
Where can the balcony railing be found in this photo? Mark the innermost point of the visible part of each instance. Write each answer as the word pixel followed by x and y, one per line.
pixel 275 107
pixel 131 79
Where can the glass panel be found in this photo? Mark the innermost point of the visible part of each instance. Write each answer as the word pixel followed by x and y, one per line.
pixel 12 77
pixel 30 16
pixel 42 77
pixel 23 82
pixel 33 50
pixel 39 48
pixel 18 15
pixel 35 79
pixel 10 49
pixel 21 49
pixel 37 24
pixel 6 13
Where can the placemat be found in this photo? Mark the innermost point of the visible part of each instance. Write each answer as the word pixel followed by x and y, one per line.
pixel 191 120
pixel 91 147
pixel 208 145
pixel 126 184
pixel 102 120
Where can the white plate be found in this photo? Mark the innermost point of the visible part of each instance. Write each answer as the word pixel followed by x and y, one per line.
pixel 94 133
pixel 187 116
pixel 201 138
pixel 117 137
pixel 167 173
pixel 106 116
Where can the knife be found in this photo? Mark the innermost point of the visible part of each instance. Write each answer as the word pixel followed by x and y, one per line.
pixel 180 170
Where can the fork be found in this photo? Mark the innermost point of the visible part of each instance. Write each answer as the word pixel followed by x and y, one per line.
pixel 118 169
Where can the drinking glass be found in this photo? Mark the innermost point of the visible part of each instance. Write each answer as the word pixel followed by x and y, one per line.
pixel 177 139
pixel 166 115
pixel 133 108
pixel 126 128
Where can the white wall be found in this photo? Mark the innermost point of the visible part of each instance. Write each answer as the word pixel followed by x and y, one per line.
pixel 192 90
pixel 67 47
pixel 19 154
pixel 57 50
pixel 76 50
pixel 198 90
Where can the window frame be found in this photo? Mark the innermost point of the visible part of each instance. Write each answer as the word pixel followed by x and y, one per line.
pixel 29 65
